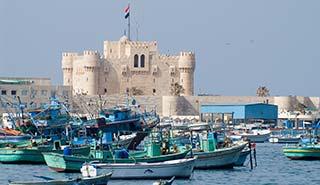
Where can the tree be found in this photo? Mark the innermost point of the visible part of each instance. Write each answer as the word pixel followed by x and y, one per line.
pixel 176 89
pixel 263 91
pixel 136 92
pixel 300 107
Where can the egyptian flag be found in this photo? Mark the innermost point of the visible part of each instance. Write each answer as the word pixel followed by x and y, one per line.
pixel 127 12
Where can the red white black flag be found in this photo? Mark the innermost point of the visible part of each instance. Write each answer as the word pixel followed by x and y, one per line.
pixel 127 12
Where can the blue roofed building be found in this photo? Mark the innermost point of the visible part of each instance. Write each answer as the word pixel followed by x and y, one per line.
pixel 239 113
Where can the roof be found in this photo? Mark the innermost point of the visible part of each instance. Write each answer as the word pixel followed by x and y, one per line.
pixel 237 104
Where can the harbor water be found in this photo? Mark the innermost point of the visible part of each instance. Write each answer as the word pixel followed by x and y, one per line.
pixel 273 168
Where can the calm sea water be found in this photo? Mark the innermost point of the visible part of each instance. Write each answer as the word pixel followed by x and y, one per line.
pixel 273 168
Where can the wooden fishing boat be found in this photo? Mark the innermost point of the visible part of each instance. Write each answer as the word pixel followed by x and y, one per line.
pixel 73 163
pixel 181 168
pixel 98 180
pixel 218 158
pixel 34 154
pixel 304 152
pixel 164 182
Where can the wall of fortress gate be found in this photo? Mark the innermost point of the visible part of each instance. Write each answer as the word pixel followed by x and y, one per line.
pixel 189 105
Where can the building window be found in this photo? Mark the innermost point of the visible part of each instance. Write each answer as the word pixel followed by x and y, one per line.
pixel 44 92
pixel 24 92
pixel 154 90
pixel 154 80
pixel 142 59
pixel 13 92
pixel 105 90
pixel 172 80
pixel 3 92
pixel 136 61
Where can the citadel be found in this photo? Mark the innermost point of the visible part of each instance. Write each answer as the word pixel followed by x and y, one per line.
pixel 133 67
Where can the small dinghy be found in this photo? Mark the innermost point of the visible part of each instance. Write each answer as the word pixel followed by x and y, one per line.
pixel 164 182
pixel 97 180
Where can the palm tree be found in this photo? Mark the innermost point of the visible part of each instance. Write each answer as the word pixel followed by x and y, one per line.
pixel 176 89
pixel 263 91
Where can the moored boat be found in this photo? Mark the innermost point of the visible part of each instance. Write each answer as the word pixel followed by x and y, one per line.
pixel 181 168
pixel 34 154
pixel 73 163
pixel 219 158
pixel 98 180
pixel 304 152
pixel 284 139
pixel 257 136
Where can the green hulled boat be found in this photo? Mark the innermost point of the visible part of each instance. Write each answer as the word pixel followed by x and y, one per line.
pixel 34 154
pixel 73 163
pixel 304 152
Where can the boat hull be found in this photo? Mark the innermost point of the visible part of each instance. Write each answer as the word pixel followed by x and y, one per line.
pixel 33 155
pixel 256 138
pixel 63 163
pixel 99 180
pixel 242 157
pixel 181 168
pixel 220 158
pixel 284 140
pixel 302 153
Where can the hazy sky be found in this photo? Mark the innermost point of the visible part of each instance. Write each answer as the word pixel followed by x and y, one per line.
pixel 239 44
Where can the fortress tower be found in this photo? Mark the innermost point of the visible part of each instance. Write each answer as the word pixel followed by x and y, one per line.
pixel 186 68
pixel 67 68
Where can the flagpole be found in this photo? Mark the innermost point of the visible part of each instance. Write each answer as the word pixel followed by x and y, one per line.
pixel 129 23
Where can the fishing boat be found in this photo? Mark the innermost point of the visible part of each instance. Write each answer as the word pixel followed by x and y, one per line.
pixel 72 163
pixel 218 158
pixel 34 154
pixel 180 168
pixel 209 156
pixel 121 118
pixel 98 180
pixel 303 152
pixel 164 182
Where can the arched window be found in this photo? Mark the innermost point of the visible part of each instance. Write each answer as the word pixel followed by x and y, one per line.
pixel 136 61
pixel 142 57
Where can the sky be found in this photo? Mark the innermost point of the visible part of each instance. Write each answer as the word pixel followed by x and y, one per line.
pixel 239 45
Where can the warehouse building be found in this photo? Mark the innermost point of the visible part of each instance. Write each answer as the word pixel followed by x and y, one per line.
pixel 239 113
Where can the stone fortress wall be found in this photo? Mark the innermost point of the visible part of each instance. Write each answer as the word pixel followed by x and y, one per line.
pixel 189 105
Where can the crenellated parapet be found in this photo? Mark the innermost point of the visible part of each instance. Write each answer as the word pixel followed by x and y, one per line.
pixel 187 60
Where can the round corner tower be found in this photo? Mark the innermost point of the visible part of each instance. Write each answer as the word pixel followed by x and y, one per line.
pixel 186 68
pixel 86 75
pixel 67 68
